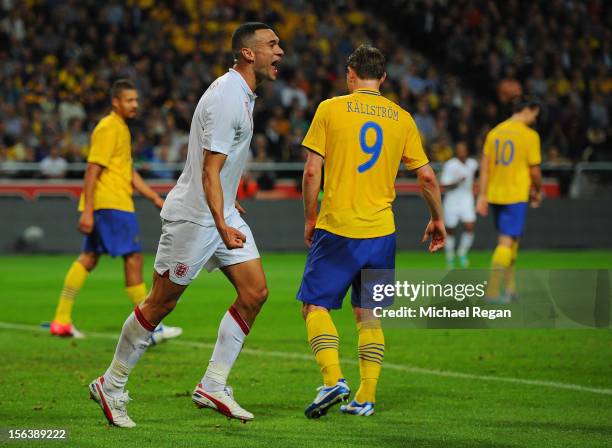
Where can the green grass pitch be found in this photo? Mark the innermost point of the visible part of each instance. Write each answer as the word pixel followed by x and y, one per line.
pixel 423 400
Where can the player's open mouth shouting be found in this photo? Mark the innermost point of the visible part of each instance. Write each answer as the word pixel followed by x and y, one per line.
pixel 275 68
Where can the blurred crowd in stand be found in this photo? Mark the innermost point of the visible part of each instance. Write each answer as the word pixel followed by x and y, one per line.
pixel 58 60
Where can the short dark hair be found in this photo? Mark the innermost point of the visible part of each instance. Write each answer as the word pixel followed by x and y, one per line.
pixel 120 85
pixel 367 61
pixel 525 102
pixel 244 32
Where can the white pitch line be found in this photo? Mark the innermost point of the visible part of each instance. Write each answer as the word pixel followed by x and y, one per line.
pixel 386 365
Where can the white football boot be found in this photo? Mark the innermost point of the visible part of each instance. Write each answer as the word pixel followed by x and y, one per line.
pixel 222 401
pixel 114 408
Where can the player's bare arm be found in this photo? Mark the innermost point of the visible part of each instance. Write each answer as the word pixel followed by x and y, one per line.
pixel 535 195
pixel 141 187
pixel 311 185
pixel 86 221
pixel 482 206
pixel 431 193
pixel 213 192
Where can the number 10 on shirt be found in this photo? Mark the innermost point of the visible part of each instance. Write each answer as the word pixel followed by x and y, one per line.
pixel 506 154
pixel 373 149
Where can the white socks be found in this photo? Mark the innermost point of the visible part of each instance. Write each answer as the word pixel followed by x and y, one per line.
pixel 133 341
pixel 467 238
pixel 449 248
pixel 232 333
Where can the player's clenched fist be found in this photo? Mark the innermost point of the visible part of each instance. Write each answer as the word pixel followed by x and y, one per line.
pixel 233 238
pixel 86 223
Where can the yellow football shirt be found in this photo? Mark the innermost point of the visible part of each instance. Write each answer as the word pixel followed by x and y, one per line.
pixel 363 137
pixel 111 147
pixel 511 147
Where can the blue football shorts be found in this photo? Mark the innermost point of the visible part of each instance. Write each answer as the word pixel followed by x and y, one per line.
pixel 334 264
pixel 115 233
pixel 510 218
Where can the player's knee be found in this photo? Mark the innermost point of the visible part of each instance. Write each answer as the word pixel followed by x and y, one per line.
pixel 88 260
pixel 505 240
pixel 259 295
pixel 254 298
pixel 308 308
pixel 134 259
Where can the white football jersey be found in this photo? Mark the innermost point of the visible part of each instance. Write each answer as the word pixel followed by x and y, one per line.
pixel 454 170
pixel 222 122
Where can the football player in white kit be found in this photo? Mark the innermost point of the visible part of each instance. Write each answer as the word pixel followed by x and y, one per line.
pixel 202 228
pixel 457 179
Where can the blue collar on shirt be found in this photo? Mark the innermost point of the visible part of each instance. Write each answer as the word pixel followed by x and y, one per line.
pixel 244 84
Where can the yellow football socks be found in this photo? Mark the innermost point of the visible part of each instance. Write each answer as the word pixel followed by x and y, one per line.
pixel 324 341
pixel 509 276
pixel 371 346
pixel 75 278
pixel 502 259
pixel 136 293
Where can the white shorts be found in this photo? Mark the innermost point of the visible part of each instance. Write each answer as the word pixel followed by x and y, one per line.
pixel 185 248
pixel 458 211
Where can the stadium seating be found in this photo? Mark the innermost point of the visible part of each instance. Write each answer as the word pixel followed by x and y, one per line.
pixel 58 62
